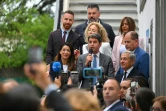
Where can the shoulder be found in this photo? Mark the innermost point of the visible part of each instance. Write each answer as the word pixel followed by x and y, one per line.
pixel 141 52
pixel 105 56
pixel 72 32
pixel 105 24
pixel 105 44
pixel 81 25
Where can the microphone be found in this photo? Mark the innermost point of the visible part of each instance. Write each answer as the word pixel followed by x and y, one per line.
pixel 90 52
pixel 55 69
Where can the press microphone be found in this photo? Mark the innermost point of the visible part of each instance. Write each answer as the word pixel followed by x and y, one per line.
pixel 55 69
pixel 90 52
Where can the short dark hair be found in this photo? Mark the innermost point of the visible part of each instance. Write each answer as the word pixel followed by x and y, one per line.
pixel 144 97
pixel 96 36
pixel 93 5
pixel 69 12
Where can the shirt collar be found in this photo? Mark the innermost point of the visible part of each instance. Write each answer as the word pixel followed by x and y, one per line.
pixel 65 30
pixel 96 54
pixel 107 108
pixel 128 71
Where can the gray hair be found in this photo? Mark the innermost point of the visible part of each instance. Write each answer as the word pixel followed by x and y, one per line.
pixel 131 54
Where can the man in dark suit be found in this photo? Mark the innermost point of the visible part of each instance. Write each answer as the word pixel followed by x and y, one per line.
pixel 127 64
pixel 142 57
pixel 94 43
pixel 93 13
pixel 111 95
pixel 64 34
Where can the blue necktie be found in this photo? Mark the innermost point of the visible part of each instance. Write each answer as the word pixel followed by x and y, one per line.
pixel 94 66
pixel 94 61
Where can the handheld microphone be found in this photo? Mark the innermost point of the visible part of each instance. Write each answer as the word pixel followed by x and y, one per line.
pixel 55 69
pixel 90 52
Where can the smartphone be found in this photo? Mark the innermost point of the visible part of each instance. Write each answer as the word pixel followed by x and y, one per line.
pixel 133 89
pixel 64 78
pixel 34 56
pixel 92 72
pixel 74 77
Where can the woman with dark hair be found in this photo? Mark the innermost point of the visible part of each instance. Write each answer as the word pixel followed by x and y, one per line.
pixel 66 56
pixel 127 24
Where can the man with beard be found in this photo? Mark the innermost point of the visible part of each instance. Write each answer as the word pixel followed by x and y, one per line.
pixel 62 35
pixel 93 14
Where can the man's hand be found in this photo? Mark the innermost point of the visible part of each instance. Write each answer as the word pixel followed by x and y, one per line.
pixel 40 77
pixel 88 59
pixel 76 53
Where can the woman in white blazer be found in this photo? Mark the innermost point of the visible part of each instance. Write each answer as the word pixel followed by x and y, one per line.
pixel 127 24
pixel 95 27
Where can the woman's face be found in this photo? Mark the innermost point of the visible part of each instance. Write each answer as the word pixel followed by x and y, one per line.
pixel 92 29
pixel 157 106
pixel 65 52
pixel 125 26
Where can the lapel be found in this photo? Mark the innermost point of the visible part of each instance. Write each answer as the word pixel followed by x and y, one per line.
pixel 70 36
pixel 58 35
pixel 101 60
pixel 132 72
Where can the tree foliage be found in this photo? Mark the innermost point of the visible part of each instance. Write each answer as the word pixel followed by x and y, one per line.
pixel 21 28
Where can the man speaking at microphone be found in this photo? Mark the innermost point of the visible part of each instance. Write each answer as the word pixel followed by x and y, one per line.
pixel 94 59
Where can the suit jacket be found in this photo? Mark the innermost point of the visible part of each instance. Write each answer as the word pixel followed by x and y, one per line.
pixel 104 61
pixel 134 72
pixel 81 28
pixel 118 107
pixel 141 63
pixel 55 41
pixel 116 50
pixel 104 49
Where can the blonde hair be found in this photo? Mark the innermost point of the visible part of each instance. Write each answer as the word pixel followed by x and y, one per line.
pixel 101 31
pixel 81 100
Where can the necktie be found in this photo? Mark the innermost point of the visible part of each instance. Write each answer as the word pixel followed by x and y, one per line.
pixel 94 66
pixel 124 75
pixel 64 36
pixel 94 61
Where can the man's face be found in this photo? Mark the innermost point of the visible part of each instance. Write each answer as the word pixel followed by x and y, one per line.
pixel 130 44
pixel 93 14
pixel 125 84
pixel 94 44
pixel 111 91
pixel 67 21
pixel 126 62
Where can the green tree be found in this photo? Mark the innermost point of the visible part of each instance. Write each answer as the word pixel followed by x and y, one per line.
pixel 22 28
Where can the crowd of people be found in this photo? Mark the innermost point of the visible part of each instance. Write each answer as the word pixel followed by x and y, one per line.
pixel 123 85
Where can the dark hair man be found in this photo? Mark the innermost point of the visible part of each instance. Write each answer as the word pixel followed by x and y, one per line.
pixel 93 14
pixel 94 43
pixel 59 36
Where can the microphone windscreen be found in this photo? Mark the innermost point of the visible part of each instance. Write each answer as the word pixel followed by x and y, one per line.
pixel 56 66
